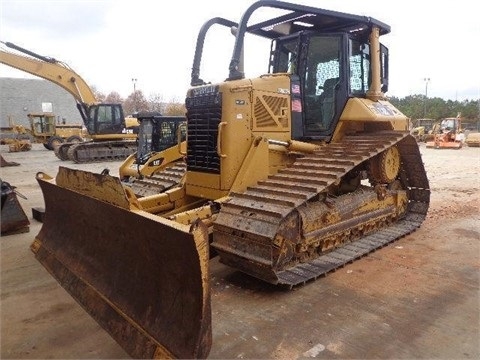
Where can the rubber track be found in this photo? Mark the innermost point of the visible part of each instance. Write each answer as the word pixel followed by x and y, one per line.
pixel 277 196
pixel 101 151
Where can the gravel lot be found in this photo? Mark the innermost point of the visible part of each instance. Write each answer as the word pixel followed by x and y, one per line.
pixel 416 298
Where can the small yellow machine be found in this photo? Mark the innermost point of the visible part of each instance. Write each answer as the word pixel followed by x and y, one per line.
pixel 423 129
pixel 161 145
pixel 289 175
pixel 16 137
pixel 473 139
pixel 44 129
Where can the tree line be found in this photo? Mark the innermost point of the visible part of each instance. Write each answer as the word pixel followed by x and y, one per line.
pixel 413 106
pixel 422 107
pixel 137 102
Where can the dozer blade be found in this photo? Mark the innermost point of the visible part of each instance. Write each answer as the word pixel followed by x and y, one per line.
pixel 143 278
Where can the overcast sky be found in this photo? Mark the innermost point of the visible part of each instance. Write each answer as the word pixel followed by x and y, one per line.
pixel 111 42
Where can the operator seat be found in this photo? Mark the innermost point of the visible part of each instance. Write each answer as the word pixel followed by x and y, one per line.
pixel 328 100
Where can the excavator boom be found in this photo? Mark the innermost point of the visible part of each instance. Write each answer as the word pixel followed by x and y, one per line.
pixel 49 69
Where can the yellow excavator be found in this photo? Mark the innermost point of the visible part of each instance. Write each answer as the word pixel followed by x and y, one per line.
pixel 112 136
pixel 289 175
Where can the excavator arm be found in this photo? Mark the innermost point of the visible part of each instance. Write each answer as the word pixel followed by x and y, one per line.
pixel 57 72
pixel 49 69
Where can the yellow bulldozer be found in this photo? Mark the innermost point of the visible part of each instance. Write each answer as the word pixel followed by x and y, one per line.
pixel 145 170
pixel 289 175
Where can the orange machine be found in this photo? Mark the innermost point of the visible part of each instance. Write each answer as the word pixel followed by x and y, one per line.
pixel 448 135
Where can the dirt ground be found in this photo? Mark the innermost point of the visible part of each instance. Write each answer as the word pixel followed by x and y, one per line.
pixel 417 298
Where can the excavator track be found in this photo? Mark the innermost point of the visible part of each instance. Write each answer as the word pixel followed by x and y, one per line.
pixel 101 151
pixel 61 151
pixel 160 181
pixel 247 227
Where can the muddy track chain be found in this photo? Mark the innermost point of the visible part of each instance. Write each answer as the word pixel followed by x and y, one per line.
pixel 101 151
pixel 273 199
pixel 159 181
pixel 61 151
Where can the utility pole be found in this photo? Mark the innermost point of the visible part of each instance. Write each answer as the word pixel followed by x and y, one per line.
pixel 134 80
pixel 427 80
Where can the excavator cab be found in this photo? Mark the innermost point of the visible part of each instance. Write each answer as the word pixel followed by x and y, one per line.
pixel 101 119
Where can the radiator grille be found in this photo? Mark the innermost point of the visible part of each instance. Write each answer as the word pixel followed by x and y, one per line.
pixel 204 113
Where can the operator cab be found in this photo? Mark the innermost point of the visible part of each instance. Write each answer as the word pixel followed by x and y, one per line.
pixel 449 124
pixel 326 53
pixel 157 133
pixel 320 65
pixel 103 119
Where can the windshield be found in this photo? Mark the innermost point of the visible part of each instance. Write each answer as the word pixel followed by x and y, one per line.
pixel 448 124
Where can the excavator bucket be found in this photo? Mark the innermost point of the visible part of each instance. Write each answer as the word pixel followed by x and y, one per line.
pixel 143 278
pixel 14 219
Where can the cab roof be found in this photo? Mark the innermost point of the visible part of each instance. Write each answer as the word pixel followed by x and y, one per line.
pixel 295 19
pixel 301 17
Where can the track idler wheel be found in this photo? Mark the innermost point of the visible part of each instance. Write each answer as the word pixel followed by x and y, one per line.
pixel 384 168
